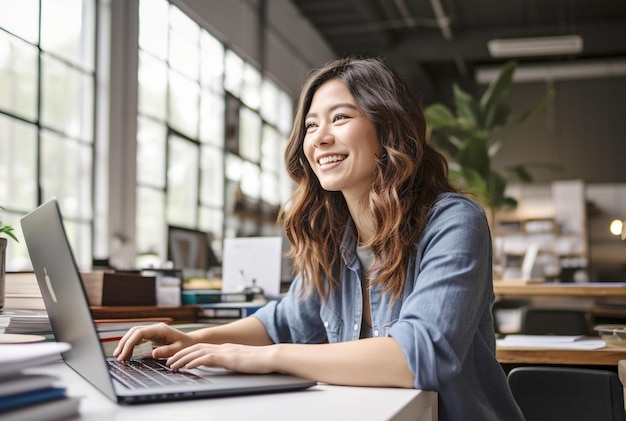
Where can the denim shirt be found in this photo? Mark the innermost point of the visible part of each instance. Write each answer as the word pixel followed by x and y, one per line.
pixel 442 320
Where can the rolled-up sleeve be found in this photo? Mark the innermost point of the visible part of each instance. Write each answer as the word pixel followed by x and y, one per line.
pixel 440 316
pixel 294 318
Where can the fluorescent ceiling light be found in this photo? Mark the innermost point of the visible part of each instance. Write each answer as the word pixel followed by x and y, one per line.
pixel 543 46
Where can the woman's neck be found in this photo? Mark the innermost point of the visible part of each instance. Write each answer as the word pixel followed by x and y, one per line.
pixel 362 218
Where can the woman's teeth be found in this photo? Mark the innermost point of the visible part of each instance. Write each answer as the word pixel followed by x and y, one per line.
pixel 331 158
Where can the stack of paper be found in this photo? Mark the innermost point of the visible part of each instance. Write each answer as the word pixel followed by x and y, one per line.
pixel 26 396
pixel 27 321
pixel 550 341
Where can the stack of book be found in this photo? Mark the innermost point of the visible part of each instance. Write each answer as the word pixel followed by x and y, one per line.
pixel 31 396
pixel 217 307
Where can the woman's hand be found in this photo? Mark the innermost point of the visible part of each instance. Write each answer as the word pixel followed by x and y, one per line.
pixel 240 358
pixel 167 340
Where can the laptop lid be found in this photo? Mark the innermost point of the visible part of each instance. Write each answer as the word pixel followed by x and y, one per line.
pixel 66 302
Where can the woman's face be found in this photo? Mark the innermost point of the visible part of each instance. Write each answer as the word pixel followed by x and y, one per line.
pixel 340 143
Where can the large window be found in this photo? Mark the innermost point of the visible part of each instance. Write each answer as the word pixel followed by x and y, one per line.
pixel 47 108
pixel 211 131
pixel 211 128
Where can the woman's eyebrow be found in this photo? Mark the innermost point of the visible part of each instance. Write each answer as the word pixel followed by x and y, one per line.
pixel 333 108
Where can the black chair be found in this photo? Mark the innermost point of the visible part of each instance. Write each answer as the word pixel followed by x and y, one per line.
pixel 572 394
pixel 550 321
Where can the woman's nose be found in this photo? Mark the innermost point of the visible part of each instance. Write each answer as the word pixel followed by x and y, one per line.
pixel 323 137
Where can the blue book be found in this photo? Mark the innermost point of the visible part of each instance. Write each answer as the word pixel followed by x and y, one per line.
pixel 34 397
pixel 208 296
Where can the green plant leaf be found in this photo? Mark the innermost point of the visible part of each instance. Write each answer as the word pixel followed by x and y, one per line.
pixel 474 155
pixel 497 186
pixel 7 230
pixel 438 116
pixel 497 90
pixel 499 117
pixel 475 184
pixel 467 109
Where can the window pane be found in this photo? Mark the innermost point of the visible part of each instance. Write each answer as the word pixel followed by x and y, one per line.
pixel 66 174
pixel 152 86
pixel 212 118
pixel 269 101
pixel 18 76
pixel 21 18
pixel 67 99
pixel 285 113
pixel 212 187
pixel 150 221
pixel 151 152
pixel 79 236
pixel 212 221
pixel 249 135
pixel 233 73
pixel 153 24
pixel 234 168
pixel 184 44
pixel 270 189
pixel 212 62
pixel 182 182
pixel 271 154
pixel 184 102
pixel 18 164
pixel 251 92
pixel 67 29
pixel 251 180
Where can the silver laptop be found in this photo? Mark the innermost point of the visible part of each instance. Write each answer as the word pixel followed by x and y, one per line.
pixel 67 306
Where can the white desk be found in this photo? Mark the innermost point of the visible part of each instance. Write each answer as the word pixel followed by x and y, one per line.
pixel 319 403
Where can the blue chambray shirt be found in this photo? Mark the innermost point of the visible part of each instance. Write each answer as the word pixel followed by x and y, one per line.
pixel 442 321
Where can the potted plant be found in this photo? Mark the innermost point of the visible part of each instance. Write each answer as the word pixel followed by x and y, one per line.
pixel 471 137
pixel 5 230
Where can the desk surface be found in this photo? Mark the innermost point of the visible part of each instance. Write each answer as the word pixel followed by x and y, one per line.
pixel 590 289
pixel 322 402
pixel 522 355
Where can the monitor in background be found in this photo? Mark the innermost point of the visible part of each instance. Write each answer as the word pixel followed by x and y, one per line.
pixel 251 262
pixel 190 249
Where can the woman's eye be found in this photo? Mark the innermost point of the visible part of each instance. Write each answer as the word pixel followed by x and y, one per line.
pixel 309 125
pixel 340 117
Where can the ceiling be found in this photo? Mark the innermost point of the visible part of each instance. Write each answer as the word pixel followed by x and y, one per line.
pixel 434 42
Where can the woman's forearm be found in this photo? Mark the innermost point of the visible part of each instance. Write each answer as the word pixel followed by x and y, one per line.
pixel 366 362
pixel 248 331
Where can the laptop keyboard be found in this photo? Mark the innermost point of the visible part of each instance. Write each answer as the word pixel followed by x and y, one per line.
pixel 143 373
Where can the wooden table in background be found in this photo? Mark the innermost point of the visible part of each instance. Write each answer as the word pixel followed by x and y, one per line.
pixel 181 314
pixel 590 289
pixel 610 355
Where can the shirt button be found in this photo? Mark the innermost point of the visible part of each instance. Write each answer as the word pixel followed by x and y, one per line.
pixel 376 332
pixel 326 324
pixel 355 327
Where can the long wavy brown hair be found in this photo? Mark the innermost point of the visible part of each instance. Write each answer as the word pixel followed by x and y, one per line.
pixel 409 175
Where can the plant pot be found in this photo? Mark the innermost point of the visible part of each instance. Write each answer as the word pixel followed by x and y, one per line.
pixel 3 249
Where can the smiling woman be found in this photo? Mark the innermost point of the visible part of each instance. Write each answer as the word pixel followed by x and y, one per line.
pixel 393 284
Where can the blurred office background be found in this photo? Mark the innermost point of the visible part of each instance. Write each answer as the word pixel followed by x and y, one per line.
pixel 142 114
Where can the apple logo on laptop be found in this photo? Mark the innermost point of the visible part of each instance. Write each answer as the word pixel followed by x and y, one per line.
pixel 49 285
